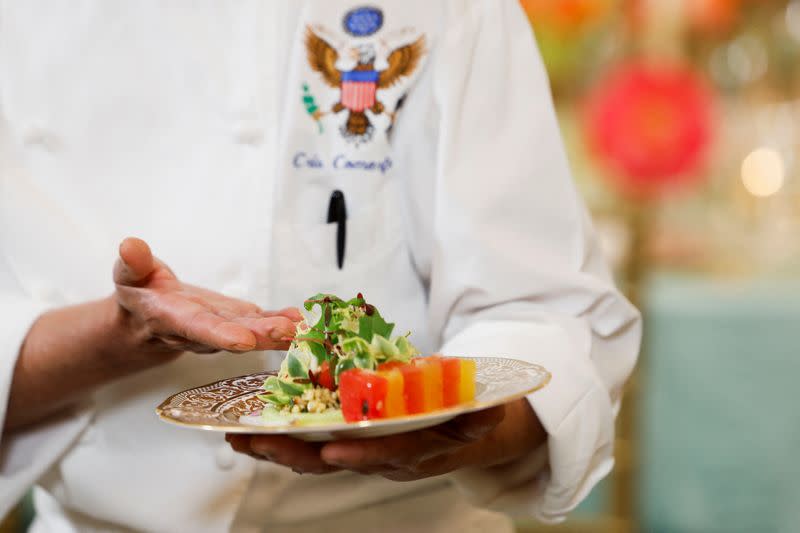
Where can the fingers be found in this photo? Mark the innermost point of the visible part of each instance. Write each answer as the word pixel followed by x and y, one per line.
pixel 135 262
pixel 191 316
pixel 241 444
pixel 210 329
pixel 236 334
pixel 185 318
pixel 179 344
pixel 404 450
pixel 301 457
pixel 408 451
pixel 292 313
pixel 403 457
pixel 235 307
pixel 173 315
pixel 227 304
pixel 270 333
pixel 473 426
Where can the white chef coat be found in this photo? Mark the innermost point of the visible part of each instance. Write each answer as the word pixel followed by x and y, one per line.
pixel 185 123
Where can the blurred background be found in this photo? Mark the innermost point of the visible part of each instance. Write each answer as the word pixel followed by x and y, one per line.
pixel 681 122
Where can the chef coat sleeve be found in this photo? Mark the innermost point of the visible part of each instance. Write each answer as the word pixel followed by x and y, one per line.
pixel 25 454
pixel 515 269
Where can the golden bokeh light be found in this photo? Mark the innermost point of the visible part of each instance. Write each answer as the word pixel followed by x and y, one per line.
pixel 763 172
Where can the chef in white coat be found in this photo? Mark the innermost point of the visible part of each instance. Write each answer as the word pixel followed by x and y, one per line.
pixel 217 133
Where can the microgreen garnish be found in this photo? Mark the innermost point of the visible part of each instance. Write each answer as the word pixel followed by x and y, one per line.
pixel 348 334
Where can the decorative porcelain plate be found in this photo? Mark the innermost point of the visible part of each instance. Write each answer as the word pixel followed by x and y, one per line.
pixel 232 406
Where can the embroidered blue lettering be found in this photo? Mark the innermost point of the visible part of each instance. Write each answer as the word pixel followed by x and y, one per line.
pixel 303 160
pixel 340 162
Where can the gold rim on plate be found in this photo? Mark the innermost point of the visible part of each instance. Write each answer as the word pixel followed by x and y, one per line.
pixel 218 406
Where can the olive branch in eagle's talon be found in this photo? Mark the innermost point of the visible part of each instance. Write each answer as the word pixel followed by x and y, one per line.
pixel 312 108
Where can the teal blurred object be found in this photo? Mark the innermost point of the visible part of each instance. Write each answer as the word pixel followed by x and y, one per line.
pixel 27 512
pixel 720 420
pixel 595 503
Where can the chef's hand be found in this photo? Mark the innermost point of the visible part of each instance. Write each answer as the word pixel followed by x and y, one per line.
pixel 487 438
pixel 176 317
pixel 149 320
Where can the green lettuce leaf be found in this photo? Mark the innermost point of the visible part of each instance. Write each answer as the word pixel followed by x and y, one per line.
pixel 295 367
pixel 348 334
pixel 369 326
pixel 314 340
pixel 317 299
pixel 275 399
pixel 382 346
pixel 272 384
pixel 406 349
pixel 291 389
pixel 365 361
pixel 342 366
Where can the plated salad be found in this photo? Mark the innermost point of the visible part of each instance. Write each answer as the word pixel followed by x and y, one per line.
pixel 347 366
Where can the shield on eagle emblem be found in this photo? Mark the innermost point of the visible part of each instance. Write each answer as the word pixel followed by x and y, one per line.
pixel 359 87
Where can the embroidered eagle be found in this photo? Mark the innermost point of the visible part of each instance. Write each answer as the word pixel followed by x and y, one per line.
pixel 359 86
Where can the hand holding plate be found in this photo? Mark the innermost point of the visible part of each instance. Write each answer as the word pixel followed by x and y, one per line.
pixel 485 438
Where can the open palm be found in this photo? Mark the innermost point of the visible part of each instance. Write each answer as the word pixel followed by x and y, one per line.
pixel 182 317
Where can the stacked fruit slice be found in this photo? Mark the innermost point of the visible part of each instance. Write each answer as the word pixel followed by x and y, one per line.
pixel 423 385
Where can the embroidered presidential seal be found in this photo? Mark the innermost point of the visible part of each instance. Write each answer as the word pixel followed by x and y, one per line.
pixel 358 69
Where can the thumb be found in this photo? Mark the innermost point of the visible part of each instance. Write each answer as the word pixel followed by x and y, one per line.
pixel 135 262
pixel 473 426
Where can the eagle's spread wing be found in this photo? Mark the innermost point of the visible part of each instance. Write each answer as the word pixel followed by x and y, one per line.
pixel 322 57
pixel 402 62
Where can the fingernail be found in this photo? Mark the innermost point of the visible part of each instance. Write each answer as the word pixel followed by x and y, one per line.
pixel 278 335
pixel 335 462
pixel 261 451
pixel 243 347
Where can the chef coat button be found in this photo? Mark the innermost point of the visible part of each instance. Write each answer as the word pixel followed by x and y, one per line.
pixel 44 293
pixel 226 457
pixel 249 135
pixel 42 138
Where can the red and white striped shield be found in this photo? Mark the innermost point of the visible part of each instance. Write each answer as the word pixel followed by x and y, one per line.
pixel 358 89
pixel 358 95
